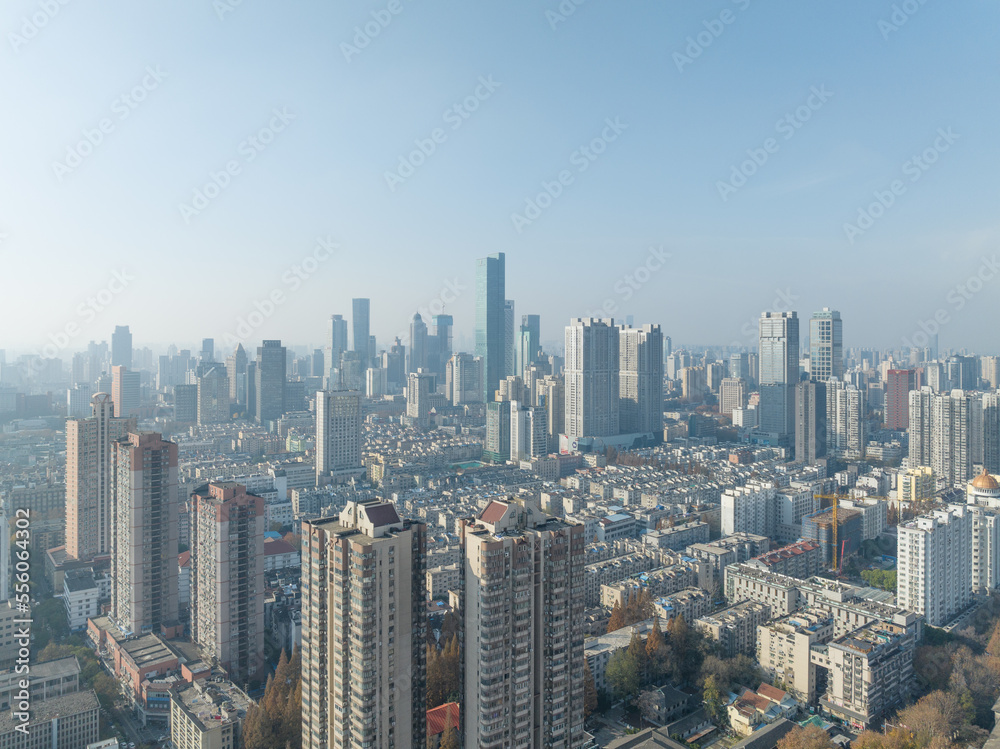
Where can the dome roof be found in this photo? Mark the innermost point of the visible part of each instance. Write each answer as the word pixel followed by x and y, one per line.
pixel 985 481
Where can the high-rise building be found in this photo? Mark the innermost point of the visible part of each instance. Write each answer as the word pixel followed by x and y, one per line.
pixel 270 373
pixel 417 354
pixel 899 383
pixel 394 364
pixel 935 564
pixel 89 478
pixel 364 630
pixel 207 350
pixel 529 436
pixel 439 344
pixel 779 373
pixel 985 549
pixel 419 387
pixel 527 344
pixel 361 327
pixel 750 509
pixel 810 421
pixel 523 614
pixel 732 394
pixel 497 444
pixel 464 377
pixel 592 378
pixel 739 366
pixel 236 369
pixel 946 433
pixel 845 422
pixel 337 336
pixel 509 334
pixel 552 397
pixel 121 347
pixel 144 595
pixel 186 404
pixel 991 431
pixel 338 434
pixel 227 577
pixel 826 345
pixel 694 384
pixel 491 343
pixel 640 380
pixel 125 391
pixel 213 395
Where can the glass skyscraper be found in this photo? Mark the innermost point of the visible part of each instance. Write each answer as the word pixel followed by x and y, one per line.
pixel 826 346
pixel 491 337
pixel 779 372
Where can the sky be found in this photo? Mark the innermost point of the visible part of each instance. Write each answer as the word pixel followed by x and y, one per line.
pixel 241 169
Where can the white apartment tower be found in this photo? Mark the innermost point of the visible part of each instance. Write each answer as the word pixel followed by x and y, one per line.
pixel 592 378
pixel 946 433
pixel 640 380
pixel 935 564
pixel 338 433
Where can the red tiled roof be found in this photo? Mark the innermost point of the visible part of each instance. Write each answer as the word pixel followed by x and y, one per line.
pixel 772 693
pixel 184 559
pixel 493 512
pixel 443 717
pixel 277 546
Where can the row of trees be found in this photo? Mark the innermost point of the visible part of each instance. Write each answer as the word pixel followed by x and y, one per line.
pixel 444 673
pixel 276 721
pixel 638 609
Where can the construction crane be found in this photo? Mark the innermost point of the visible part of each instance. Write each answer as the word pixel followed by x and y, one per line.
pixel 834 503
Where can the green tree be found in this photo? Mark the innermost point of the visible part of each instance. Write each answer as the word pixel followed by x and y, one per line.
pixel 50 623
pixel 622 675
pixel 715 705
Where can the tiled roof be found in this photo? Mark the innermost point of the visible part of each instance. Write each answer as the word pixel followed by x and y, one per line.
pixel 443 717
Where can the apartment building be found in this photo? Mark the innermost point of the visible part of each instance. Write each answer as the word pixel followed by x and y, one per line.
pixel 935 564
pixel 784 650
pixel 802 559
pixel 735 628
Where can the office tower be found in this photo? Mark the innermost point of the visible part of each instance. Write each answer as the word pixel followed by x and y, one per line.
pixel 186 404
pixel 207 350
pixel 509 334
pixel 121 347
pixel 552 397
pixel 527 343
pixel 351 374
pixel 376 382
pixel 364 630
pixel 337 336
pixel 270 374
pixel 592 379
pixel 227 577
pixel 394 364
pixel 668 346
pixel 417 355
pixel 338 433
pixel 899 383
pixel 464 377
pixel 236 368
pixel 496 448
pixel 991 431
pixel 845 423
pixel 317 366
pixel 89 478
pixel 144 595
pixel 491 343
pixel 640 380
pixel 962 372
pixel 732 394
pixel 361 327
pixel 523 614
pixel 439 343
pixel 739 366
pixel 419 387
pixel 125 391
pixel 826 345
pixel 934 577
pixel 779 372
pixel 213 396
pixel 946 433
pixel 810 421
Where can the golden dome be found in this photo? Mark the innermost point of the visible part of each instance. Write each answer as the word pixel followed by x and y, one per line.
pixel 985 481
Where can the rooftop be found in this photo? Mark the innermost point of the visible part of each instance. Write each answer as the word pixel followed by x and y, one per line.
pixel 43 711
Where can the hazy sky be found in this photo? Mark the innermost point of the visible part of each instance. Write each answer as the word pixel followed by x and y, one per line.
pixel 316 119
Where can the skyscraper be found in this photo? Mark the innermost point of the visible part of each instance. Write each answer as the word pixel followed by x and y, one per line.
pixel 592 380
pixel 121 347
pixel 364 630
pixel 144 534
pixel 526 344
pixel 236 369
pixel 419 386
pixel 810 421
pixel 946 433
pixel 89 478
pixel 523 610
pixel 845 420
pixel 640 380
pixel 826 345
pixel 509 334
pixel 899 383
pixel 779 372
pixel 227 577
pixel 491 343
pixel 338 433
pixel 125 391
pixel 732 394
pixel 207 350
pixel 213 395
pixel 270 372
pixel 337 346
pixel 497 444
pixel 361 327
pixel 439 344
pixel 417 354
pixel 465 379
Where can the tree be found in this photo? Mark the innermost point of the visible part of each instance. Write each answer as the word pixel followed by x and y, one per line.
pixel 449 739
pixel 808 737
pixel 882 579
pixel 50 623
pixel 623 675
pixel 937 714
pixel 714 703
pixel 617 620
pixel 589 690
pixel 443 673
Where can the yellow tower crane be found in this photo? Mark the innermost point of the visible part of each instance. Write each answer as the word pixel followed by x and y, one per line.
pixel 834 502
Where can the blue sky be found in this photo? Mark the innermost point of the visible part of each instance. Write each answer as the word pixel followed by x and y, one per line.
pixel 222 69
